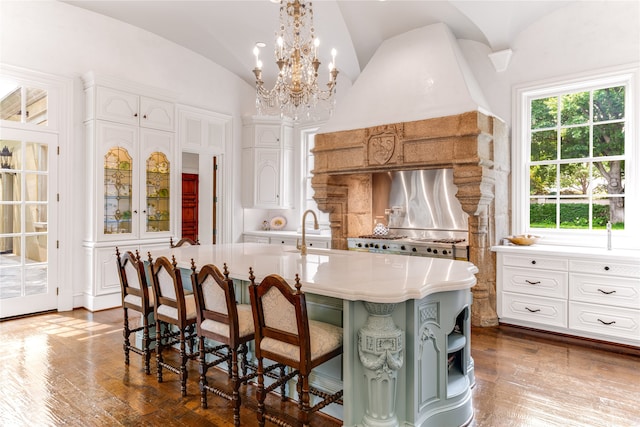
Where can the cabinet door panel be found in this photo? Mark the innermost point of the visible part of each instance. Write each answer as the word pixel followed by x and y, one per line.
pixel 157 114
pixel 536 282
pixel 116 106
pixel 267 178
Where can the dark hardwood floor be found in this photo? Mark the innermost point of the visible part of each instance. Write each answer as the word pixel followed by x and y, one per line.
pixel 67 369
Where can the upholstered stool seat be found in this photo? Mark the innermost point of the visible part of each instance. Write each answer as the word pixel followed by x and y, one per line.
pixel 285 335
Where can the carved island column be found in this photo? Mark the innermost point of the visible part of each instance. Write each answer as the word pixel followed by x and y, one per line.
pixel 381 352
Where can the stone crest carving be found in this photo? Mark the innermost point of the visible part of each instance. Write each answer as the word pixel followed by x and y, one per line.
pixel 381 148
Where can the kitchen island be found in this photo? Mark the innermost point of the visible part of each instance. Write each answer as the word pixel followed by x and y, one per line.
pixel 406 325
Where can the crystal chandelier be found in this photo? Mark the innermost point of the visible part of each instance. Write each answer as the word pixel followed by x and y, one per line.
pixel 296 91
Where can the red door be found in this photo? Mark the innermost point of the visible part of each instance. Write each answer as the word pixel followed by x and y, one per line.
pixel 190 205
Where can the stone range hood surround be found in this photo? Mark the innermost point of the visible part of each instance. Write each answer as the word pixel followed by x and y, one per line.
pixel 417 105
pixel 473 144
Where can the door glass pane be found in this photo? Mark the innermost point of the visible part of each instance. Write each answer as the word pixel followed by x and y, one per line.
pixel 117 191
pixel 158 196
pixel 14 158
pixel 37 157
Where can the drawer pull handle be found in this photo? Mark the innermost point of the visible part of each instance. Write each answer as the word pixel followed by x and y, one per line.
pixel 535 311
pixel 606 323
pixel 606 292
pixel 532 283
pixel 533 262
pixel 606 268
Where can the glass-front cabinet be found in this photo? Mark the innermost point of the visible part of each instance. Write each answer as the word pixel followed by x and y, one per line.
pixel 118 193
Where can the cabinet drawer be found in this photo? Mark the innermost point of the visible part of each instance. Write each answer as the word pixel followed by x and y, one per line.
pixel 548 283
pixel 611 321
pixel 547 263
pixel 317 243
pixel 541 310
pixel 617 291
pixel 284 241
pixel 606 268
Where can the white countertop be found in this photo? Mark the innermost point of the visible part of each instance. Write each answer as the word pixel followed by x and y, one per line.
pixel 584 252
pixel 289 233
pixel 349 275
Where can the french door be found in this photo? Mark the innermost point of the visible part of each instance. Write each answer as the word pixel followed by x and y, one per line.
pixel 28 222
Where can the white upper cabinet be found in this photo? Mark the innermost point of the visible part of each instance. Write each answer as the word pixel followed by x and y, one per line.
pixel 267 162
pixel 105 103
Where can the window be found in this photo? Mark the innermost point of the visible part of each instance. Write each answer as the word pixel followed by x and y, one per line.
pixel 574 157
pixel 308 140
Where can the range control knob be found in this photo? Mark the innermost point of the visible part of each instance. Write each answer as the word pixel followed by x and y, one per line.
pixel 384 246
pixel 435 251
pixel 429 250
pixel 403 247
pixel 414 250
pixel 376 246
pixel 359 245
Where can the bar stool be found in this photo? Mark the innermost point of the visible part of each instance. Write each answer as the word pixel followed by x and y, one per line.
pixel 172 308
pixel 185 241
pixel 135 296
pixel 285 335
pixel 221 319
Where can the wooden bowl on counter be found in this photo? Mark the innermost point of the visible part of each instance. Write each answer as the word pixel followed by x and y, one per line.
pixel 523 239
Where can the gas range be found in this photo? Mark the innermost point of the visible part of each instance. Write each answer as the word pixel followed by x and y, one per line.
pixel 451 247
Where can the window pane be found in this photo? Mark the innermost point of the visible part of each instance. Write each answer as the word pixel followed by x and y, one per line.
pixel 608 209
pixel 544 145
pixel 574 178
pixel 542 212
pixel 575 108
pixel 543 112
pixel 608 139
pixel 574 143
pixel 10 100
pixel 36 106
pixel 608 104
pixel 609 177
pixel 574 213
pixel 542 180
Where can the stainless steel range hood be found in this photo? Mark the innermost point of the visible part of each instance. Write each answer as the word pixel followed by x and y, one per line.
pixel 419 200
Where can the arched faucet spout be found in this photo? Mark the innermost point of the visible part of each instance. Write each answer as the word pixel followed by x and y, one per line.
pixel 303 246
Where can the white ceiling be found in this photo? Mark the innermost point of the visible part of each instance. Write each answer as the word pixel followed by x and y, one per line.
pixel 226 31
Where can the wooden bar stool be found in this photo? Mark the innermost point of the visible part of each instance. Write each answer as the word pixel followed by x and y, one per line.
pixel 222 319
pixel 285 335
pixel 185 241
pixel 137 296
pixel 173 308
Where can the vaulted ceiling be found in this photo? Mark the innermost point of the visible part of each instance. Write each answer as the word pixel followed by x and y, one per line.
pixel 226 31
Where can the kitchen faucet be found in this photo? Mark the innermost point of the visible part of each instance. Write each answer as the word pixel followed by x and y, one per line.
pixel 303 246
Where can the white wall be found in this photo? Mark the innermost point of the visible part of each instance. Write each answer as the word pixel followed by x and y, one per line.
pixel 57 38
pixel 579 38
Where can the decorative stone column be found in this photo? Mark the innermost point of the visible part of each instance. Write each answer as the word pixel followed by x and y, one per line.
pixel 380 348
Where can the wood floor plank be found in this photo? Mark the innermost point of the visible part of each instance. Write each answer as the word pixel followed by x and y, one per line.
pixel 68 369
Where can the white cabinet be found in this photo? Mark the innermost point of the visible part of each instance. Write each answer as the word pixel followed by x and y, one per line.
pixel 105 103
pixel 267 163
pixel 533 289
pixel 290 239
pixel 132 187
pixel 593 295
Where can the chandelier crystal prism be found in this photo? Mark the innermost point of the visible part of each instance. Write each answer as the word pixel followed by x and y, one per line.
pixel 296 92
